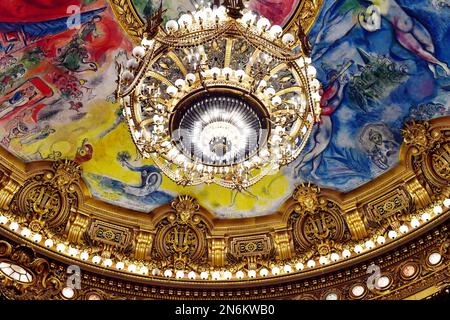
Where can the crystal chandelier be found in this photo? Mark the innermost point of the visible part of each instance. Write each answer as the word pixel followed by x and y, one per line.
pixel 220 96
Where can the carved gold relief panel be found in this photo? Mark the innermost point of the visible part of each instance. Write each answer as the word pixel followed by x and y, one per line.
pixel 180 239
pixel 47 198
pixel 316 222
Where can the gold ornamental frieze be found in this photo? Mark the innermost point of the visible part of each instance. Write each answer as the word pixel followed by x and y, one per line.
pixel 46 198
pixel 48 205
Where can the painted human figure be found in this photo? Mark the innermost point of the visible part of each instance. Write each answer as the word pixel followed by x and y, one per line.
pixel 410 33
pixel 20 98
pixel 7 80
pixel 331 98
pixel 339 20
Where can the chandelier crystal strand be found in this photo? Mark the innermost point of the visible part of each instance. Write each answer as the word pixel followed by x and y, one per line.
pixel 219 96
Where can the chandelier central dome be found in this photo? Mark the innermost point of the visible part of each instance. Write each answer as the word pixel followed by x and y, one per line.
pixel 219 129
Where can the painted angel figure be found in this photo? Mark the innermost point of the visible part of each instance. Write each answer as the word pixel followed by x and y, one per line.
pixel 340 19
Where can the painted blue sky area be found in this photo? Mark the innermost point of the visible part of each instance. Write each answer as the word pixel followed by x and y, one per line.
pixel 376 74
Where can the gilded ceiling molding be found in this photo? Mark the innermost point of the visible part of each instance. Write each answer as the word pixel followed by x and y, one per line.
pixel 134 25
pixel 24 276
pixel 47 205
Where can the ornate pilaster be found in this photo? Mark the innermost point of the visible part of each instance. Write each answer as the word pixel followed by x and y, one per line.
pixel 282 242
pixel 143 245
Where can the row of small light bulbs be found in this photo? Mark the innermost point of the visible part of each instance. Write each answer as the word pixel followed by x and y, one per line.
pixel 204 17
pixel 220 275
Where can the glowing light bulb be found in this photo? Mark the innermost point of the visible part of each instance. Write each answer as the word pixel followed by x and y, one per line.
pixel 120 265
pixel 346 253
pixel 299 266
pixel 403 229
pixel 392 234
pixel 263 272
pixel 168 273
pixel 334 257
pixel 381 240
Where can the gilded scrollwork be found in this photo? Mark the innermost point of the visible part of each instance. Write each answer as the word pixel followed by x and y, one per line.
pixel 317 222
pixel 24 276
pixel 46 199
pixel 180 240
pixel 49 198
pixel 389 209
pixel 430 147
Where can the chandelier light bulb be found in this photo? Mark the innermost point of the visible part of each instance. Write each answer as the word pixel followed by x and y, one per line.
pixel 276 31
pixel 276 101
pixel 172 26
pixel 108 263
pixel 96 259
pixel 192 275
pixel 288 39
pixel 287 269
pixel 369 244
pixel 227 275
pixel 185 21
pixel 147 43
pixel 73 252
pixel 3 220
pixel 263 24
pixel 358 249
pixel 323 260
pixel 215 275
pixel 299 266
pixel 139 52
pixel 132 64
pixel 60 247
pixel 204 275
pixel 252 274
pixel 179 274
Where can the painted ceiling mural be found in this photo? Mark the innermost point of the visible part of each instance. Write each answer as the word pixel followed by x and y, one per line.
pixel 58 75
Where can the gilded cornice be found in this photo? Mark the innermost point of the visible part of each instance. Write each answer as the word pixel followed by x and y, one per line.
pixel 49 200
